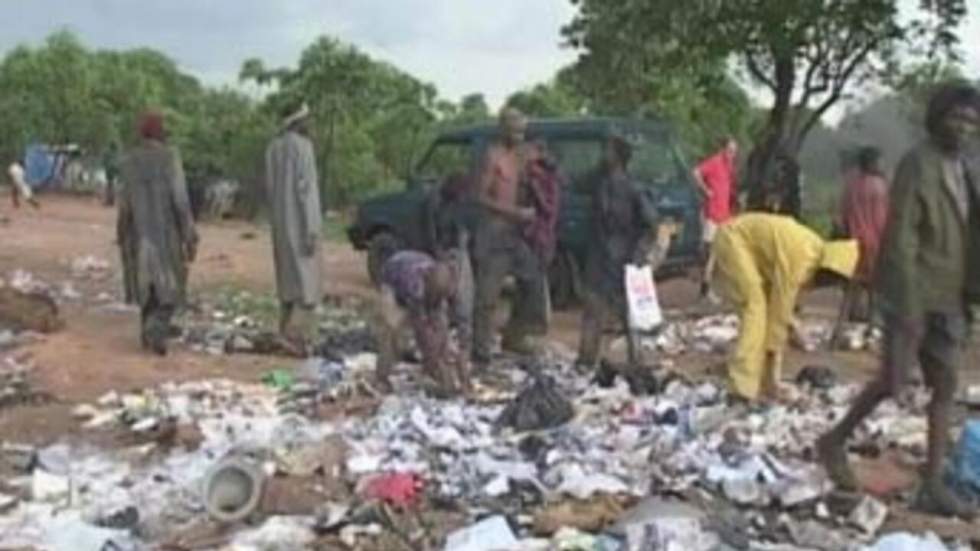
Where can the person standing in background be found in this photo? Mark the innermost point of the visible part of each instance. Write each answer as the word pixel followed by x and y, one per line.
pixel 155 231
pixel 715 177
pixel 19 187
pixel 863 213
pixel 501 249
pixel 296 219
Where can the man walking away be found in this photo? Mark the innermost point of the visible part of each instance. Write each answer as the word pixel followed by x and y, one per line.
pixel 928 278
pixel 715 177
pixel 294 197
pixel 500 248
pixel 155 231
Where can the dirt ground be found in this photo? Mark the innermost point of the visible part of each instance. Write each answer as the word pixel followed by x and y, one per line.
pixel 99 350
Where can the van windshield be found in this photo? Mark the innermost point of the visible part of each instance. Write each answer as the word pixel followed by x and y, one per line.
pixel 657 162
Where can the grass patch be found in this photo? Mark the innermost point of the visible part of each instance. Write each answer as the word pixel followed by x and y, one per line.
pixel 262 308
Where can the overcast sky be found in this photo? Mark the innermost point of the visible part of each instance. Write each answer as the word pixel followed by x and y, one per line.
pixel 462 46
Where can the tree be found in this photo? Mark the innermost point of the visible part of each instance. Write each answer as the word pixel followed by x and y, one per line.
pixel 63 92
pixel 556 98
pixel 370 118
pixel 807 53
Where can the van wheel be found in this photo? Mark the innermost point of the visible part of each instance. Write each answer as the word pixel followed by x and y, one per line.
pixel 563 281
pixel 383 244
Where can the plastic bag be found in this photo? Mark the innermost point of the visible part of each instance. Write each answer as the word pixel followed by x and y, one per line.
pixel 641 298
pixel 539 406
pixel 964 469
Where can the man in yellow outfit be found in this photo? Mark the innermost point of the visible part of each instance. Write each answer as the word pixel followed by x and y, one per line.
pixel 762 262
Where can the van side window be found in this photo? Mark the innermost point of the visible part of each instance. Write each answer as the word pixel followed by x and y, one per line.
pixel 578 159
pixel 657 162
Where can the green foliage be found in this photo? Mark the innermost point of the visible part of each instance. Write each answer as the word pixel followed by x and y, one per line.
pixel 704 105
pixel 371 120
pixel 807 53
pixel 62 92
pixel 557 98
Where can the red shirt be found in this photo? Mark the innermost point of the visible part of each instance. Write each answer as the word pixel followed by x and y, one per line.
pixel 864 211
pixel 718 173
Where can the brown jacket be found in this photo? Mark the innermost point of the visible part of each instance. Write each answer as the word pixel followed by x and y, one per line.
pixel 930 258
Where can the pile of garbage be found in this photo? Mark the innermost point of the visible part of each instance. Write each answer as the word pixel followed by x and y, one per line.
pixel 16 386
pixel 599 466
pixel 241 323
pixel 90 267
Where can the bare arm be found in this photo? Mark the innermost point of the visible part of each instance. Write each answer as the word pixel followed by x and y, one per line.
pixel 699 182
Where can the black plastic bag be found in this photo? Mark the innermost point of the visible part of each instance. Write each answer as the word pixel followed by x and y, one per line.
pixel 539 406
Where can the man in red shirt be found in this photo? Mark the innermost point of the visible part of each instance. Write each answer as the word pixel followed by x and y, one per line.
pixel 715 177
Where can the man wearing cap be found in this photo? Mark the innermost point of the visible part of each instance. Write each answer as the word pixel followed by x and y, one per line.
pixel 294 212
pixel 762 262
pixel 500 248
pixel 155 231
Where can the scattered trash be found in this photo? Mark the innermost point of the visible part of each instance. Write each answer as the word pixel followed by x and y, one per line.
pixel 592 515
pixel 810 534
pixel 16 387
pixel 89 267
pixel 397 489
pixel 47 486
pixel 964 469
pixel 869 515
pixel 278 533
pixel 660 435
pixel 817 376
pixel 279 379
pixel 539 406
pixel 908 542
pixel 491 534
pixel 233 490
pixel 28 311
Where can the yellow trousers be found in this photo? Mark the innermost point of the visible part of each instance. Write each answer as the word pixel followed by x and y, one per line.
pixel 751 368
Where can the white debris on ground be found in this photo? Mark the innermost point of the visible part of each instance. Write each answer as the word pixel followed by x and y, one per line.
pixel 746 473
pixel 90 267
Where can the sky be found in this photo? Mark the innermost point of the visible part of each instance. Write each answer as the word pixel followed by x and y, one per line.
pixel 462 46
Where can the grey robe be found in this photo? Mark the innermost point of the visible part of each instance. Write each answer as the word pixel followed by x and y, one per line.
pixel 155 224
pixel 294 198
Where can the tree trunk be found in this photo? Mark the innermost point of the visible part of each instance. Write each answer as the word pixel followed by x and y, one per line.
pixel 772 181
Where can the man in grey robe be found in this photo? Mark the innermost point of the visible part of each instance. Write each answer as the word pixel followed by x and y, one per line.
pixel 294 197
pixel 155 231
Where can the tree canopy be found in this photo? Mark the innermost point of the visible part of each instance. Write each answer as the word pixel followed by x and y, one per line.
pixel 63 92
pixel 809 54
